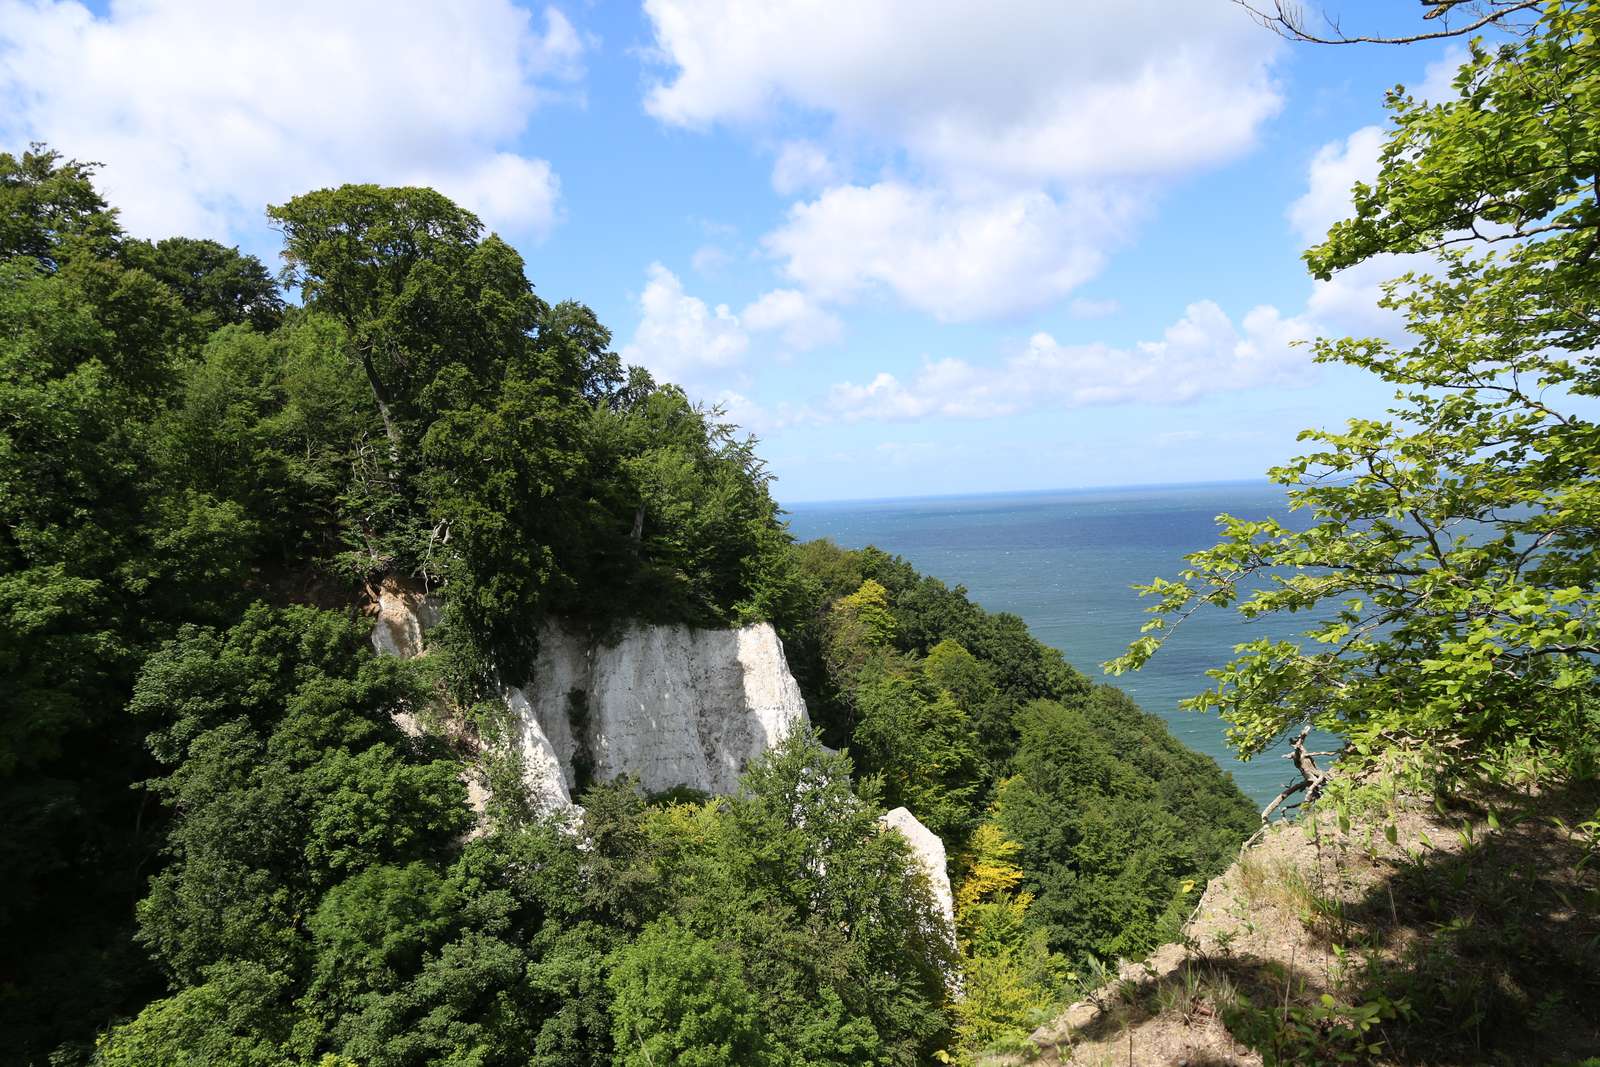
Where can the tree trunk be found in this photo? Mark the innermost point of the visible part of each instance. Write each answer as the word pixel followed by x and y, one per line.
pixel 381 394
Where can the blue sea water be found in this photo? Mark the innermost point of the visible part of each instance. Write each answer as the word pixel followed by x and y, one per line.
pixel 1065 561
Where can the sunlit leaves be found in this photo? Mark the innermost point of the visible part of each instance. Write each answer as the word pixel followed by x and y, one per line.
pixel 1451 546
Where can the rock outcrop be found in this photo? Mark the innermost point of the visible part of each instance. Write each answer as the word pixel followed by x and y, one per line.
pixel 929 851
pixel 404 614
pixel 675 705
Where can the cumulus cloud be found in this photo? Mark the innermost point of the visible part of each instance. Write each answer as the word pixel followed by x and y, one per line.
pixel 794 316
pixel 1348 302
pixel 952 257
pixel 204 113
pixel 801 165
pixel 680 338
pixel 1203 352
pixel 1012 88
pixel 1018 137
pixel 1333 173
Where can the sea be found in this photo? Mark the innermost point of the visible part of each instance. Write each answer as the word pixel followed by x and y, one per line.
pixel 1066 562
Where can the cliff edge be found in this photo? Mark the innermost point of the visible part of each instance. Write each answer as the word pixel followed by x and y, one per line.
pixel 1401 931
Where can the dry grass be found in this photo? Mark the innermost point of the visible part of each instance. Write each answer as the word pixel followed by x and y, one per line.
pixel 1461 935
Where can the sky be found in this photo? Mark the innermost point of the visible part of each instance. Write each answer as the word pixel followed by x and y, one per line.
pixel 917 247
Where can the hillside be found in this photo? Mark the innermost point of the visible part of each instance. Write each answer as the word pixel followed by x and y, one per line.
pixel 1390 931
pixel 243 838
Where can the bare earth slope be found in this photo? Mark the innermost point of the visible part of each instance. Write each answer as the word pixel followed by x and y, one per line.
pixel 1408 933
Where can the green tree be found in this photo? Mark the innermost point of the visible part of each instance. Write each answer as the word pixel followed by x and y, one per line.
pixel 681 999
pixel 218 285
pixel 404 271
pixel 99 558
pixel 1452 543
pixel 922 746
pixel 50 210
pixel 1009 975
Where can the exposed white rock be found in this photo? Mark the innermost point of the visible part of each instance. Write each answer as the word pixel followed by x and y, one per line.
pixel 405 613
pixel 544 769
pixel 929 851
pixel 675 705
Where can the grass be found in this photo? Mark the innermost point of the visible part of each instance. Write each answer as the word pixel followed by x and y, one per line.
pixel 1406 933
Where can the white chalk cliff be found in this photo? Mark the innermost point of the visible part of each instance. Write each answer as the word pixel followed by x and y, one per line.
pixel 929 850
pixel 674 705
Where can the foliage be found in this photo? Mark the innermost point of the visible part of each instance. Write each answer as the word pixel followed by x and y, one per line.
pixel 681 999
pixel 99 556
pixel 1079 819
pixel 1010 975
pixel 218 286
pixel 1107 847
pixel 1453 541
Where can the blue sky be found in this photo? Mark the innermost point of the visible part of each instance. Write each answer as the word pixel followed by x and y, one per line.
pixel 917 247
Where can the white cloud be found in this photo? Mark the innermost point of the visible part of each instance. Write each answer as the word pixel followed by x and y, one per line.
pixel 1203 352
pixel 1022 88
pixel 710 259
pixel 954 258
pixel 1347 303
pixel 1438 78
pixel 204 113
pixel 507 190
pixel 794 316
pixel 1334 171
pixel 682 339
pixel 801 165
pixel 1016 135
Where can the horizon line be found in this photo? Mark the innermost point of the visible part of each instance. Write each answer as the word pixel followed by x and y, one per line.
pixel 970 495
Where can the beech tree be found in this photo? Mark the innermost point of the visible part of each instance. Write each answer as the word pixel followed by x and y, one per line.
pixel 1452 545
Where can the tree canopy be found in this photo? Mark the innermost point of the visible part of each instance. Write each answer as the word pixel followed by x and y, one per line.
pixel 224 849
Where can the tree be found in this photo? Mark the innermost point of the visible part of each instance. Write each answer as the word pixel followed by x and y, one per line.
pixel 681 999
pixel 1456 18
pixel 1009 974
pixel 1453 543
pixel 404 271
pixel 218 285
pixel 50 211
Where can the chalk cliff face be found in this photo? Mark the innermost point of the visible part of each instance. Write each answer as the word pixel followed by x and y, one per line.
pixel 929 851
pixel 674 705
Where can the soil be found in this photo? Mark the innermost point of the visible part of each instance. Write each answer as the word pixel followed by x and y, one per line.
pixel 1464 933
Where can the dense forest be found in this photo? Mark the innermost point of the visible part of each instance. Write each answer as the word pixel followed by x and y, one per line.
pixel 221 849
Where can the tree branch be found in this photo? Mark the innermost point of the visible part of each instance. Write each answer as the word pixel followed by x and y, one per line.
pixel 1288 22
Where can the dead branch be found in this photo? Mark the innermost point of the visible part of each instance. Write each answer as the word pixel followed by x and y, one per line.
pixel 1288 20
pixel 1312 777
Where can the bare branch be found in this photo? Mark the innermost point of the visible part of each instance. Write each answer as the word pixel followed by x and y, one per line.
pixel 1287 20
pixel 1312 777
